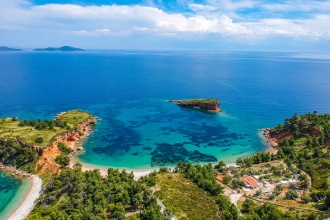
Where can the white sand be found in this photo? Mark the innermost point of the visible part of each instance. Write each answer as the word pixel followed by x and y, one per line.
pixel 140 173
pixel 27 204
pixel 104 171
pixel 231 165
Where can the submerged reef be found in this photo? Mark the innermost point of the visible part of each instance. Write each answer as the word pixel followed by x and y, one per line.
pixel 170 154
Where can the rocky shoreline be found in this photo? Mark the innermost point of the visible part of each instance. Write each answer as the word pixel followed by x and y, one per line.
pixel 272 143
pixel 13 171
pixel 71 140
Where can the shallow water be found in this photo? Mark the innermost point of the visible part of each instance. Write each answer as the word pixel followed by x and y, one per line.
pixel 11 191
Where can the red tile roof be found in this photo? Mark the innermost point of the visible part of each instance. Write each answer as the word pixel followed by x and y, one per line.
pixel 249 181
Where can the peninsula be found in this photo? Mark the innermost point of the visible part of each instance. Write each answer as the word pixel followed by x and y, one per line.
pixel 30 149
pixel 60 49
pixel 210 104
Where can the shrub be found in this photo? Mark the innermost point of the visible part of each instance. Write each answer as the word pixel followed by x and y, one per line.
pixel 306 199
pixel 39 140
pixel 291 194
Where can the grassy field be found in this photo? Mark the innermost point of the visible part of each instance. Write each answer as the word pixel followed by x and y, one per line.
pixel 184 199
pixel 192 101
pixel 10 129
pixel 74 117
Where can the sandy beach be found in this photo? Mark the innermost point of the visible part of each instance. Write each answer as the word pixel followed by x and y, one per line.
pixel 77 148
pixel 104 171
pixel 27 203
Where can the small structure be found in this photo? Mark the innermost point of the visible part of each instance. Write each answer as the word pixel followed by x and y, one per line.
pixel 287 182
pixel 249 182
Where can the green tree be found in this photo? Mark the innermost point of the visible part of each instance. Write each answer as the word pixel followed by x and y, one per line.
pixel 151 212
pixel 306 199
pixel 220 166
pixel 291 194
pixel 117 210
pixel 39 140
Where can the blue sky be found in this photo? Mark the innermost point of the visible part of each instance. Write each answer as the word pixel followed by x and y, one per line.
pixel 285 25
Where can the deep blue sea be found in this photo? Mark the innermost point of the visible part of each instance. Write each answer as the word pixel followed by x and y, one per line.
pixel 138 128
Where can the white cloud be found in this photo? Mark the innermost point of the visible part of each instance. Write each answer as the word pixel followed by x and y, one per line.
pixel 96 32
pixel 101 19
pixel 200 8
pixel 213 17
pixel 228 5
pixel 298 6
pixel 315 28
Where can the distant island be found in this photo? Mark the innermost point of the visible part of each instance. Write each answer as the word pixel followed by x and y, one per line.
pixel 210 104
pixel 8 49
pixel 63 49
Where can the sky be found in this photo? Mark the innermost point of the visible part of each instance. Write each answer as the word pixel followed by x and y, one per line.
pixel 215 25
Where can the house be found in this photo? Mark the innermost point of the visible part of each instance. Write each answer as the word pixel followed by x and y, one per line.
pixel 249 182
pixel 287 182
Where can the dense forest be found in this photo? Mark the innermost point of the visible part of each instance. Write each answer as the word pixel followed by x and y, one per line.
pixel 17 154
pixel 74 194
pixel 305 141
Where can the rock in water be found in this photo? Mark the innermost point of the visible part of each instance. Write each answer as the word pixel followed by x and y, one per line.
pixel 210 104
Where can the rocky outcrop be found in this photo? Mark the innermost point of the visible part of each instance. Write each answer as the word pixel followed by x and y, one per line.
pixel 46 162
pixel 211 105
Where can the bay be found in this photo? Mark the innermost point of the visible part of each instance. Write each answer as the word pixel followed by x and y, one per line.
pixel 128 90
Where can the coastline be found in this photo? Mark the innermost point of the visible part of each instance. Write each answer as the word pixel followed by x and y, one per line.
pixel 23 201
pixel 138 173
pixel 28 201
pixel 270 143
pixel 76 146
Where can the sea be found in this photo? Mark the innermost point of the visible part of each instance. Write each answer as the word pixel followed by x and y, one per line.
pixel 12 190
pixel 129 91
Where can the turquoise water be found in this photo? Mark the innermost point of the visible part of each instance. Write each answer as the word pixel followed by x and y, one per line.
pixel 157 133
pixel 11 191
pixel 128 90
pixel 8 187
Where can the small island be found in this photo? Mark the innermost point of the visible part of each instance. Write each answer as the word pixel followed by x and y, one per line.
pixel 60 49
pixel 210 104
pixel 8 49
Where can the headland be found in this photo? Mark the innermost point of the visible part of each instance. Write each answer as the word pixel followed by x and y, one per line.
pixel 31 148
